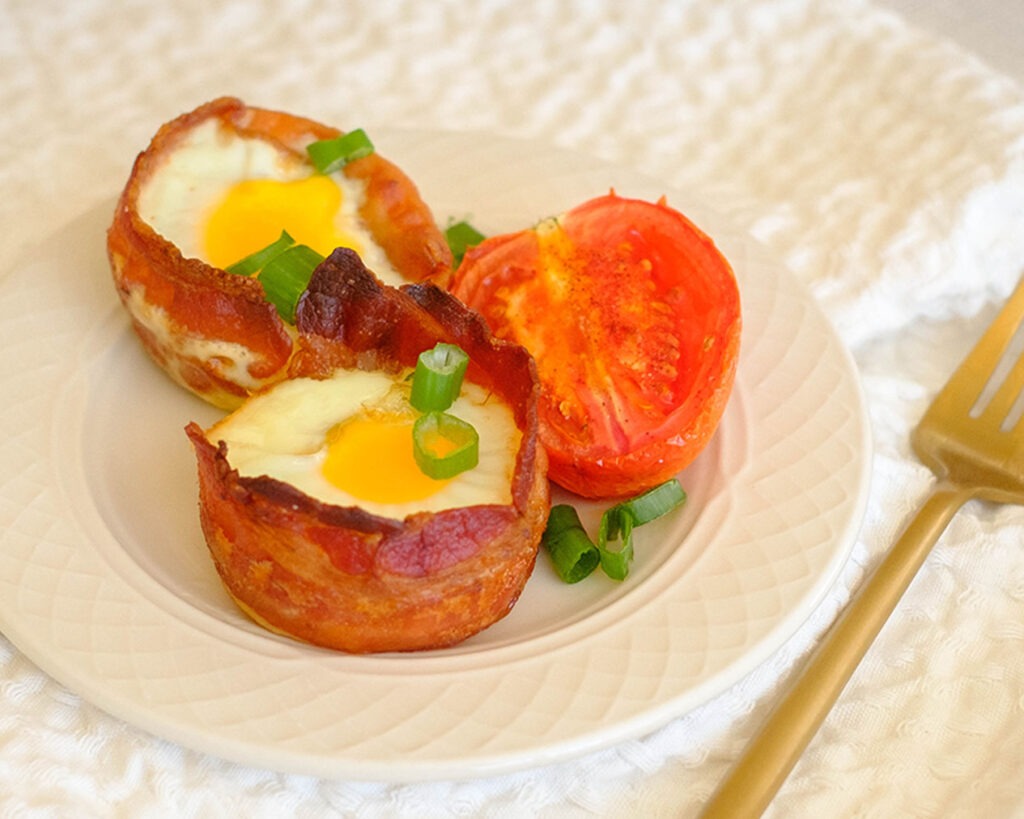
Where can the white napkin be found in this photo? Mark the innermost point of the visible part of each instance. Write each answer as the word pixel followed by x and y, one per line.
pixel 884 167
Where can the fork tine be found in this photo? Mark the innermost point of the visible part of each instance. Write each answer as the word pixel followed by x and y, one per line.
pixel 982 361
pixel 998 408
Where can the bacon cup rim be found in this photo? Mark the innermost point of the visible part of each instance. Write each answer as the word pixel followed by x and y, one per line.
pixel 344 578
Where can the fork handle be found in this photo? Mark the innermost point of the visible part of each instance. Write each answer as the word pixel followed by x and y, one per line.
pixel 770 756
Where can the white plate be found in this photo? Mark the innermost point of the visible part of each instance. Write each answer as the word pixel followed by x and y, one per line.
pixel 105 581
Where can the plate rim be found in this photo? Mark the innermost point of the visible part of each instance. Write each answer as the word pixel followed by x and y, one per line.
pixel 488 758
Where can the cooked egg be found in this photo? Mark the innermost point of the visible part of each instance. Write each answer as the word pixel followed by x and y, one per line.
pixel 219 197
pixel 347 440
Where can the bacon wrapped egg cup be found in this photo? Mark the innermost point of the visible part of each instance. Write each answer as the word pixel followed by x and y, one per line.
pixel 218 184
pixel 319 521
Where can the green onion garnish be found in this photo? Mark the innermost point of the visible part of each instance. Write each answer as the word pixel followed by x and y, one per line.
pixel 328 155
pixel 438 377
pixel 575 555
pixel 444 445
pixel 286 276
pixel 572 551
pixel 460 237
pixel 654 503
pixel 255 262
pixel 618 522
pixel 615 523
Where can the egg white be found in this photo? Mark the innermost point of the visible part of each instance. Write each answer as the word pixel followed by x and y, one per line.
pixel 194 177
pixel 282 433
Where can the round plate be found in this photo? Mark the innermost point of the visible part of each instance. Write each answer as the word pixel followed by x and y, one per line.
pixel 106 584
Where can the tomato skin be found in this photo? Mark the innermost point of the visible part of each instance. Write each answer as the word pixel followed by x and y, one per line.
pixel 633 317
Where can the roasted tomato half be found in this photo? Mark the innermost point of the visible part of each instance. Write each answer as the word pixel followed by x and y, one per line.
pixel 318 521
pixel 633 317
pixel 221 182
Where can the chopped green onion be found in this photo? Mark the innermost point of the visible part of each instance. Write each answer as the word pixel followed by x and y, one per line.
pixel 255 262
pixel 438 377
pixel 444 445
pixel 460 237
pixel 286 276
pixel 572 551
pixel 329 155
pixel 575 555
pixel 284 269
pixel 615 522
pixel 620 520
pixel 655 502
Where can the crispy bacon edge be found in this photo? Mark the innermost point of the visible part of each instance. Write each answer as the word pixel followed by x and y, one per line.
pixel 178 304
pixel 340 577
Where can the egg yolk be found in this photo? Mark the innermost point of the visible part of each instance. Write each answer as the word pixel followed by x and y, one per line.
pixel 253 213
pixel 371 458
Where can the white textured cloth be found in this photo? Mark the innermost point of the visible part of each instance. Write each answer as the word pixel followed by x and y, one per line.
pixel 885 167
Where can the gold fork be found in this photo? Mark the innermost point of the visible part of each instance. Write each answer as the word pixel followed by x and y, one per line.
pixel 972 438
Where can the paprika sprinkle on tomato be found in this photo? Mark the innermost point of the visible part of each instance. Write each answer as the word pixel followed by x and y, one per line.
pixel 633 317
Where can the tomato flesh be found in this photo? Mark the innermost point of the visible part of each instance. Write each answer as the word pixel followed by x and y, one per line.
pixel 633 318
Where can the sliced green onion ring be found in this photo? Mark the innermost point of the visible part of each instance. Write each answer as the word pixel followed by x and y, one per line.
pixel 329 155
pixel 444 445
pixel 460 237
pixel 573 553
pixel 286 276
pixel 255 262
pixel 615 523
pixel 618 522
pixel 655 502
pixel 438 377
